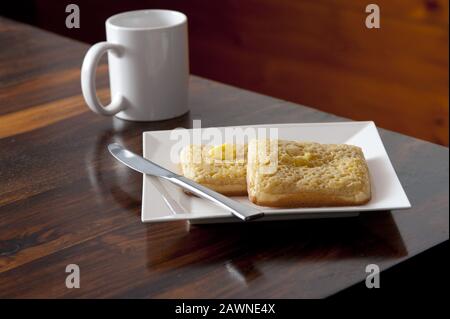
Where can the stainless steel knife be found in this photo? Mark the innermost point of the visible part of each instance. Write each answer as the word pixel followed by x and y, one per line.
pixel 142 165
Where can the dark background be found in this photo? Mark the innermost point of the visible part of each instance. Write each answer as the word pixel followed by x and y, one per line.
pixel 314 52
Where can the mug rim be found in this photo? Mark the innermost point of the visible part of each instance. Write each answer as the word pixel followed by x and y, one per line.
pixel 109 22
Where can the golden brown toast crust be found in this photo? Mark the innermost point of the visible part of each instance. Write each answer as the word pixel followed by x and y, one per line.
pixel 311 200
pixel 223 192
pixel 307 175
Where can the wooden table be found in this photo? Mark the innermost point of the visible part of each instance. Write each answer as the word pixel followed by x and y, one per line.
pixel 65 200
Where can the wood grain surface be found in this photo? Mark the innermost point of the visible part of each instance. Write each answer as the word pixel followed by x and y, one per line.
pixel 65 200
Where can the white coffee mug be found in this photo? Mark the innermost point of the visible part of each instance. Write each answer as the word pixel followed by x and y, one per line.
pixel 148 66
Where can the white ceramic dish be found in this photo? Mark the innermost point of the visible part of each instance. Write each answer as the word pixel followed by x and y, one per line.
pixel 162 201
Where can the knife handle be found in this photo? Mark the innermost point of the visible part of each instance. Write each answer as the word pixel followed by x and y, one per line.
pixel 244 212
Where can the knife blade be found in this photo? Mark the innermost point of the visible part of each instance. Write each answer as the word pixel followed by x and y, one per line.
pixel 142 165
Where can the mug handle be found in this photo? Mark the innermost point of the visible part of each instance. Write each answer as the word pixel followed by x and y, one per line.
pixel 88 80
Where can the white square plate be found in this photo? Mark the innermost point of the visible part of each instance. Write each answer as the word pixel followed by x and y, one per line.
pixel 162 201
